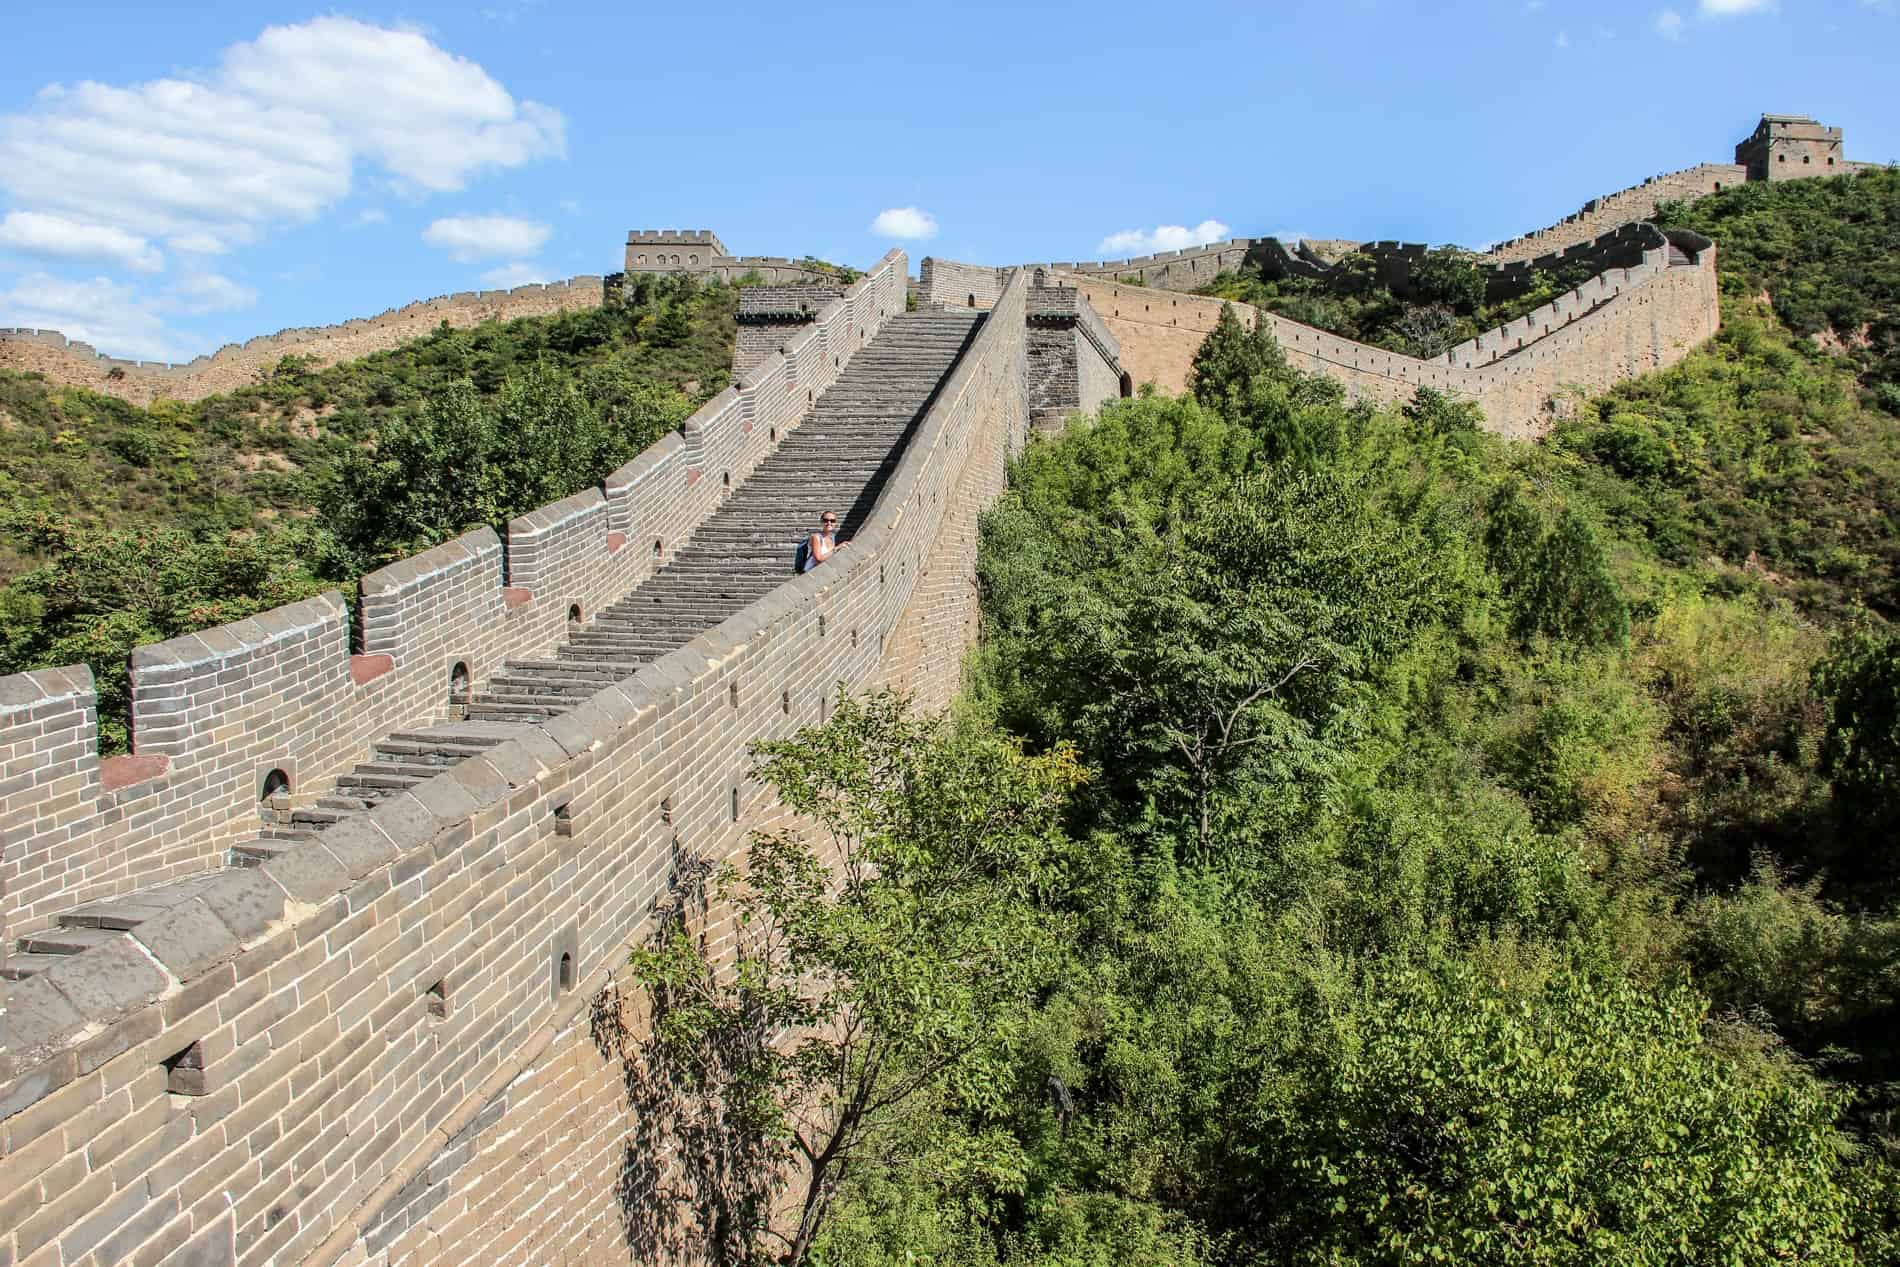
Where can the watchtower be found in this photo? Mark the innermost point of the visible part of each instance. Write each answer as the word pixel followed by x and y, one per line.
pixel 1789 146
pixel 672 250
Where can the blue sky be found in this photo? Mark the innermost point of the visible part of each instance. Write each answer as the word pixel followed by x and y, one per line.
pixel 175 177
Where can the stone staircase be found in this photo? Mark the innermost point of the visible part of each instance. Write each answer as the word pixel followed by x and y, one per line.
pixel 838 459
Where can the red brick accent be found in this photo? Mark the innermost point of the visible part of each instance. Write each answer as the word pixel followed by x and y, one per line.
pixel 615 540
pixel 124 771
pixel 515 596
pixel 367 668
pixel 692 476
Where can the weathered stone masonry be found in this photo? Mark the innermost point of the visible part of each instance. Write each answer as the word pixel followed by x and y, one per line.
pixel 374 1047
pixel 1618 324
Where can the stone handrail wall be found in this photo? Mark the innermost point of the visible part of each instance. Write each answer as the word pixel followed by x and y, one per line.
pixel 1616 325
pixel 213 713
pixel 238 364
pixel 390 1024
pixel 959 285
pixel 1186 269
pixel 1639 202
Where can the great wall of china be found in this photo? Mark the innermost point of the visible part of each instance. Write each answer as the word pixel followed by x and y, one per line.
pixel 316 974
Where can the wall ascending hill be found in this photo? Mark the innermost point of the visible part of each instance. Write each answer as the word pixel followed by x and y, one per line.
pixel 1621 323
pixel 237 365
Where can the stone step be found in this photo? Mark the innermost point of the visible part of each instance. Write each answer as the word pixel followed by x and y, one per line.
pixel 21 966
pixel 65 941
pixel 255 853
pixel 604 674
pixel 422 752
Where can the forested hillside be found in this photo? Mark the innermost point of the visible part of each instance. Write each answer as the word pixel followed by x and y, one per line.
pixel 121 526
pixel 1367 841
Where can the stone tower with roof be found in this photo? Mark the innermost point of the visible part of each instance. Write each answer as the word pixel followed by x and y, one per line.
pixel 1788 146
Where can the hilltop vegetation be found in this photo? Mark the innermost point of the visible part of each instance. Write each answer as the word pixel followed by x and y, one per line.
pixel 1381 843
pixel 1827 253
pixel 1444 307
pixel 125 525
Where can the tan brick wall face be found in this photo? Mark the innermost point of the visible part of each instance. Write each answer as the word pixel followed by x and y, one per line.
pixel 1623 323
pixel 215 711
pixel 237 365
pixel 343 1120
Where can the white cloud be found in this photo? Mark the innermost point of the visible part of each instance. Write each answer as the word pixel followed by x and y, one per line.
pixel 1669 24
pixel 40 234
pixel 1730 8
pixel 1563 39
pixel 1165 237
pixel 374 215
pixel 272 136
pixel 107 314
pixel 519 273
pixel 200 293
pixel 470 238
pixel 907 224
pixel 197 243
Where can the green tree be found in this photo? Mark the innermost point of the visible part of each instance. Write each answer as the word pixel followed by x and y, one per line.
pixel 1453 1118
pixel 894 956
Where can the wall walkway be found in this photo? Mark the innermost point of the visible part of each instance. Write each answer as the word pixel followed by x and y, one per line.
pixel 378 1046
pixel 1621 323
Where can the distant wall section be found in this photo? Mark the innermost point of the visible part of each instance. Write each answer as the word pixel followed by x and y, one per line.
pixel 237 365
pixel 1622 323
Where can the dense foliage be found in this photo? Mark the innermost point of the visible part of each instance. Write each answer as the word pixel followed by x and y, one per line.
pixel 1825 251
pixel 124 526
pixel 1486 854
pixel 1442 305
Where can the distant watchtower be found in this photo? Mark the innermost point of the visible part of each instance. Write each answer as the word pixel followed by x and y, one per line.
pixel 1788 146
pixel 672 250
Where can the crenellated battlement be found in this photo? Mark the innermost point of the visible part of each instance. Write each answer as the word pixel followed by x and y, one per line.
pixel 1620 323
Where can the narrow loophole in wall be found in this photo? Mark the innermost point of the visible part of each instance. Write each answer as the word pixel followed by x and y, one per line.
pixel 732 692
pixel 574 618
pixel 809 397
pixel 735 804
pixel 273 800
pixel 436 999
pixel 1127 385
pixel 656 547
pixel 821 625
pixel 725 480
pixel 971 301
pixel 771 434
pixel 666 809
pixel 564 972
pixel 185 1071
pixel 854 638
pixel 785 702
pixel 563 819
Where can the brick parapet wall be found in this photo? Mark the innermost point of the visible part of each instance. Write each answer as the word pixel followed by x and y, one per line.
pixel 1186 269
pixel 345 1118
pixel 216 711
pixel 1611 328
pixel 957 285
pixel 1638 202
pixel 237 365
